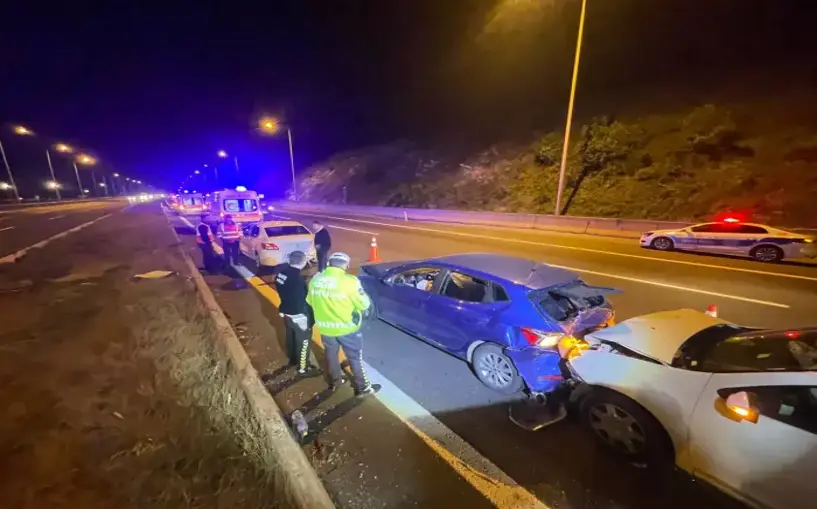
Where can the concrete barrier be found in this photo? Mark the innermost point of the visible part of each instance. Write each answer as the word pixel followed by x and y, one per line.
pixel 33 204
pixel 627 228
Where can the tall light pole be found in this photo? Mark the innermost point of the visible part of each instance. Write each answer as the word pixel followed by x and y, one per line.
pixel 8 171
pixel 569 121
pixel 56 187
pixel 272 126
pixel 86 160
pixel 223 154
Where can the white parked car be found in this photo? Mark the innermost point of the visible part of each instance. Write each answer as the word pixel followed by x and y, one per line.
pixel 733 406
pixel 732 237
pixel 269 243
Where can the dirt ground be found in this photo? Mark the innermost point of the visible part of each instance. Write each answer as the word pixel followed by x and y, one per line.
pixel 98 382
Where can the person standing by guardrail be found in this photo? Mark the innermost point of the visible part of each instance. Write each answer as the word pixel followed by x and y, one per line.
pixel 340 304
pixel 323 243
pixel 205 240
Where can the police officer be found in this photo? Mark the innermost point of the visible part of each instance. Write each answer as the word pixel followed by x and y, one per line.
pixel 205 241
pixel 230 237
pixel 297 314
pixel 340 304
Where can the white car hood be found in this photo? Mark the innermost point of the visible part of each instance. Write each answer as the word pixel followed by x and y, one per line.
pixel 657 335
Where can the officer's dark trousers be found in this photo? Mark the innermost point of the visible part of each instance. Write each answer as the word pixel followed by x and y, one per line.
pixel 298 342
pixel 322 255
pixel 232 253
pixel 352 345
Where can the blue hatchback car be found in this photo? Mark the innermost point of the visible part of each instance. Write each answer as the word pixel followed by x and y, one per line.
pixel 504 315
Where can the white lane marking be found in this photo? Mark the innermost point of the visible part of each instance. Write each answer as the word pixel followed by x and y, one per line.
pixel 280 216
pixel 352 229
pixel 187 222
pixel 574 248
pixel 674 287
pixel 14 256
pixel 56 217
pixel 480 472
pixel 6 228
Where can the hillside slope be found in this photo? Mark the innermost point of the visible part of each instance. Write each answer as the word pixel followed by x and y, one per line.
pixel 758 158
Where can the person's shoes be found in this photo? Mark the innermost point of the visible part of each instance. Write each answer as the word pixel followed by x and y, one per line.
pixel 309 372
pixel 368 391
pixel 333 386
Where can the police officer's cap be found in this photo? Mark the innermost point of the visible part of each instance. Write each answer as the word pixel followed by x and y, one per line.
pixel 341 257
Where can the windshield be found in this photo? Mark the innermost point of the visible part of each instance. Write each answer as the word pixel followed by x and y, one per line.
pixel 730 349
pixel 191 200
pixel 242 205
pixel 282 231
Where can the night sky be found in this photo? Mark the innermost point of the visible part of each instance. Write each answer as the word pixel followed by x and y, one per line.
pixel 155 89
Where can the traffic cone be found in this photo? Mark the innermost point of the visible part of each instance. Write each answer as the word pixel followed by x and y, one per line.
pixel 712 310
pixel 373 256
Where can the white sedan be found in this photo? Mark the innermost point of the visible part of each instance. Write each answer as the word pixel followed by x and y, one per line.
pixel 731 237
pixel 733 406
pixel 269 243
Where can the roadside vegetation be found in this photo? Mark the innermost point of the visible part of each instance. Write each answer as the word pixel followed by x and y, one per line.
pixel 758 157
pixel 112 392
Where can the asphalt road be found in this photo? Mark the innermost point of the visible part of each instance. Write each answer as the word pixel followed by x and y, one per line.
pixel 560 465
pixel 24 226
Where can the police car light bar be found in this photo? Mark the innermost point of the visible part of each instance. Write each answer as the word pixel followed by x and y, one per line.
pixel 731 220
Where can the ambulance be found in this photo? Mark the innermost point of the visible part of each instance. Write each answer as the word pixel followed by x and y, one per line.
pixel 190 204
pixel 243 205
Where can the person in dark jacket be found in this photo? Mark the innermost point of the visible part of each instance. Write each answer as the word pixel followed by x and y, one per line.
pixel 323 243
pixel 205 240
pixel 297 314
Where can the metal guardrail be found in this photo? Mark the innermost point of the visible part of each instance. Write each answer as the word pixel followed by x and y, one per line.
pixel 570 224
pixel 8 205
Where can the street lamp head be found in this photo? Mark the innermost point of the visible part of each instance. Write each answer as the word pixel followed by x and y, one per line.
pixel 269 125
pixel 62 147
pixel 51 184
pixel 116 175
pixel 196 172
pixel 22 131
pixel 86 159
pixel 222 153
pixel 86 191
pixel 5 186
pixel 101 184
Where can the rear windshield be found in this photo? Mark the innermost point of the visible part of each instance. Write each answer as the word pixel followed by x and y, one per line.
pixel 282 231
pixel 243 205
pixel 562 307
pixel 729 349
pixel 187 200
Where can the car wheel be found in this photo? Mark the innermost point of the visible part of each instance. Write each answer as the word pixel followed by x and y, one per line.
pixel 625 427
pixel 768 254
pixel 495 369
pixel 662 244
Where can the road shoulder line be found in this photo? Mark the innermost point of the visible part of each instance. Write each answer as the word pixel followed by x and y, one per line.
pixel 22 252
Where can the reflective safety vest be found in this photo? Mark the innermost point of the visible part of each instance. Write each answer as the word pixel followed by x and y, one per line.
pixel 338 301
pixel 199 239
pixel 230 232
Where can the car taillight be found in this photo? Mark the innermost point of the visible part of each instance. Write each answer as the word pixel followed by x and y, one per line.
pixel 269 246
pixel 541 339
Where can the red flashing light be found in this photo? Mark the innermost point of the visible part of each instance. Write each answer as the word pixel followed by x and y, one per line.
pixel 269 246
pixel 792 334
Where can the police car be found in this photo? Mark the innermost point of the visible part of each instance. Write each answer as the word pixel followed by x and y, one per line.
pixel 733 237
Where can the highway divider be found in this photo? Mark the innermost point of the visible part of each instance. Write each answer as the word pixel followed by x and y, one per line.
pixel 626 228
pixel 35 204
pixel 301 483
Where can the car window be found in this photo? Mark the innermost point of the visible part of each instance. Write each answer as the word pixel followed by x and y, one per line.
pixel 190 201
pixel 793 405
pixel 244 205
pixel 421 278
pixel 254 231
pixel 704 228
pixel 751 229
pixel 500 295
pixel 722 349
pixel 282 231
pixel 465 288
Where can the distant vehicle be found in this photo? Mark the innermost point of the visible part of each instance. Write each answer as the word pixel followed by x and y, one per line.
pixel 270 243
pixel 503 315
pixel 240 203
pixel 733 406
pixel 191 204
pixel 732 237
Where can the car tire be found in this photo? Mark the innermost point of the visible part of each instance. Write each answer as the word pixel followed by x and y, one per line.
pixel 662 244
pixel 495 369
pixel 767 254
pixel 626 428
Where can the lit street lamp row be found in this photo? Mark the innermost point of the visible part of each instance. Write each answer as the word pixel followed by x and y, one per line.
pixel 53 184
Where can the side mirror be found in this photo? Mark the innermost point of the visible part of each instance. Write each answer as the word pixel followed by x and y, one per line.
pixel 743 406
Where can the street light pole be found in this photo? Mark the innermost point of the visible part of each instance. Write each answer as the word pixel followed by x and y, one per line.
pixel 53 177
pixel 8 170
pixel 93 179
pixel 79 182
pixel 292 165
pixel 569 122
pixel 236 164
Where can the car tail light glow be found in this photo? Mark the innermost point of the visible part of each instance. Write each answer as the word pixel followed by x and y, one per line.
pixel 269 246
pixel 792 334
pixel 541 339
